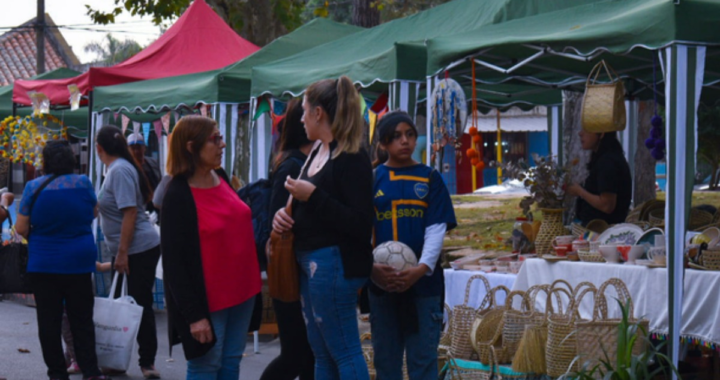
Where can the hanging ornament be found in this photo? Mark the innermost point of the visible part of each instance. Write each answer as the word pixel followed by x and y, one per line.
pixel 449 112
pixel 24 138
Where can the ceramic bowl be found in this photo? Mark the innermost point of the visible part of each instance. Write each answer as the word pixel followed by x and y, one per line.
pixel 630 253
pixel 714 234
pixel 610 253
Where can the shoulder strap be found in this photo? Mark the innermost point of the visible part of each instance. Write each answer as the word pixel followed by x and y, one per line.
pixel 288 206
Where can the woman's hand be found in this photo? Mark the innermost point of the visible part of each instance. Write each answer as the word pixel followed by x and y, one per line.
pixel 282 221
pixel 407 278
pixel 574 190
pixel 385 277
pixel 121 263
pixel 299 188
pixel 201 331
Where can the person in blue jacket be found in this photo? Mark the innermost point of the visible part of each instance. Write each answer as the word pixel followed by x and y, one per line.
pixel 413 206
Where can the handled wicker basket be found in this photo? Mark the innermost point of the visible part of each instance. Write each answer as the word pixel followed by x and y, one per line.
pixel 530 354
pixel 516 320
pixel 463 317
pixel 561 343
pixel 599 337
pixel 603 107
pixel 487 332
pixel 458 369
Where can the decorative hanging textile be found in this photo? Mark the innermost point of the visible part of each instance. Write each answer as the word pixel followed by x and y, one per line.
pixel 166 122
pixel 158 126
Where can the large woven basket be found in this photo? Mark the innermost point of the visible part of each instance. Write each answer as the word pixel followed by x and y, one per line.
pixel 656 217
pixel 561 343
pixel 487 332
pixel 710 258
pixel 551 227
pixel 603 108
pixel 699 218
pixel 530 354
pixel 516 320
pixel 598 338
pixel 446 335
pixel 463 317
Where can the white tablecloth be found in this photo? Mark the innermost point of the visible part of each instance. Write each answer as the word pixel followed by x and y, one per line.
pixel 648 288
pixel 456 281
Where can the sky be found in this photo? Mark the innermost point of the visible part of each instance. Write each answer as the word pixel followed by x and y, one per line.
pixel 73 12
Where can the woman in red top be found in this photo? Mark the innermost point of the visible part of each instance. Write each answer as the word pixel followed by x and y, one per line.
pixel 211 269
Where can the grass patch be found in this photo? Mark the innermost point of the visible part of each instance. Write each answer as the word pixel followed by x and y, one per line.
pixel 485 222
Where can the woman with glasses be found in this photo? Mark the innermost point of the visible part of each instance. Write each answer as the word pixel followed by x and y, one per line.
pixel 211 270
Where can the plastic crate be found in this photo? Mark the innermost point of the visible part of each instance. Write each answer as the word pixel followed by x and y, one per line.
pixel 158 295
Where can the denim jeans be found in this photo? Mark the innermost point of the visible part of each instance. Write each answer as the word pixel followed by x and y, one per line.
pixel 222 362
pixel 328 301
pixel 390 341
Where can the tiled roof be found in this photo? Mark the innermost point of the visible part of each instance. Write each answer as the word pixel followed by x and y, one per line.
pixel 18 52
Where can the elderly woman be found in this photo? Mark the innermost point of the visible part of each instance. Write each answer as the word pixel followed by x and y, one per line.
pixel 129 235
pixel 61 207
pixel 211 271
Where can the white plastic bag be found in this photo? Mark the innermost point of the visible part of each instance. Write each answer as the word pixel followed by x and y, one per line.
pixel 117 322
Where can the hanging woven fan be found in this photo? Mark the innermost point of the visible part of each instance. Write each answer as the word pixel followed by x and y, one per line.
pixel 449 113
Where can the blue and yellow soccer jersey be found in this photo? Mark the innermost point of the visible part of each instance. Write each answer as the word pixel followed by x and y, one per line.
pixel 407 200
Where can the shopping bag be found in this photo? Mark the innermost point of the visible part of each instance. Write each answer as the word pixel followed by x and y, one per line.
pixel 13 269
pixel 117 322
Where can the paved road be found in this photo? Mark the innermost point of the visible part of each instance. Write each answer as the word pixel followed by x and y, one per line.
pixel 18 330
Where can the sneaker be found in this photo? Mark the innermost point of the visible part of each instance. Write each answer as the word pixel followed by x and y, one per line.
pixel 150 372
pixel 73 368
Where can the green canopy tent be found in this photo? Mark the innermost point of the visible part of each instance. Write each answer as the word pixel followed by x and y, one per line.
pixel 225 88
pixel 76 121
pixel 676 39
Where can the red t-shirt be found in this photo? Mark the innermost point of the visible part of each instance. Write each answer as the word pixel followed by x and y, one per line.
pixel 227 247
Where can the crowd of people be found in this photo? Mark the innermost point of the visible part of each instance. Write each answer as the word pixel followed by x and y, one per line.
pixel 210 263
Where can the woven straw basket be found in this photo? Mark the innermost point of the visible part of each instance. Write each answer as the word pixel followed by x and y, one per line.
pixel 603 108
pixel 561 343
pixel 530 353
pixel 515 320
pixel 466 370
pixel 590 256
pixel 710 258
pixel 369 356
pixel 487 332
pixel 550 228
pixel 463 317
pixel 599 337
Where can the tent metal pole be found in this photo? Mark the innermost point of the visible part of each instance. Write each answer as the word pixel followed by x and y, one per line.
pixel 90 130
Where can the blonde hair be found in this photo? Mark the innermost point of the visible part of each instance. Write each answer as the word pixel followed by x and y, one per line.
pixel 195 128
pixel 341 101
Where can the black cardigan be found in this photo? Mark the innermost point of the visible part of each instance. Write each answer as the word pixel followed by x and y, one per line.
pixel 182 266
pixel 339 212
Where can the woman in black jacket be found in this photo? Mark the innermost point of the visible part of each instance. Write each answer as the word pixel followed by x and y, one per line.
pixel 332 222
pixel 210 266
pixel 296 358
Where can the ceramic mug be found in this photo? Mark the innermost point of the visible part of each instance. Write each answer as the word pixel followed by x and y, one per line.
pixel 561 250
pixel 658 255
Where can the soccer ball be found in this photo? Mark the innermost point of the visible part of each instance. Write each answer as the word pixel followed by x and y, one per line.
pixel 395 254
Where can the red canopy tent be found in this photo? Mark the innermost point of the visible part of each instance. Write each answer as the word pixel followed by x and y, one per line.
pixel 199 41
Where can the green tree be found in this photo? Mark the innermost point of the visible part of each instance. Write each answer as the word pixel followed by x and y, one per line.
pixel 709 129
pixel 258 21
pixel 111 51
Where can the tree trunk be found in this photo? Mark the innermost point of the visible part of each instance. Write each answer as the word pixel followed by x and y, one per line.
pixel 644 181
pixel 364 14
pixel 242 148
pixel 572 109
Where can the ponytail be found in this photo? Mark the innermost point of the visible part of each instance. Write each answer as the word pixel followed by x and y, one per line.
pixel 111 139
pixel 341 101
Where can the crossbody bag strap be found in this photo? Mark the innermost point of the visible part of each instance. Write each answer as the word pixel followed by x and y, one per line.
pixel 35 196
pixel 288 206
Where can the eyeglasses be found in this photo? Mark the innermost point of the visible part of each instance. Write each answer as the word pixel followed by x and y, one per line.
pixel 216 139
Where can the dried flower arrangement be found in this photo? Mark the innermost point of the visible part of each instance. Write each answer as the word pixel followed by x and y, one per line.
pixel 546 181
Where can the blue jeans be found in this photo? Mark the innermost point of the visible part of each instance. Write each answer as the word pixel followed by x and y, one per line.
pixel 222 362
pixel 328 301
pixel 390 341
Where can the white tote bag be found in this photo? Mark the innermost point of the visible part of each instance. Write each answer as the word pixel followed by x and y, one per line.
pixel 117 322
